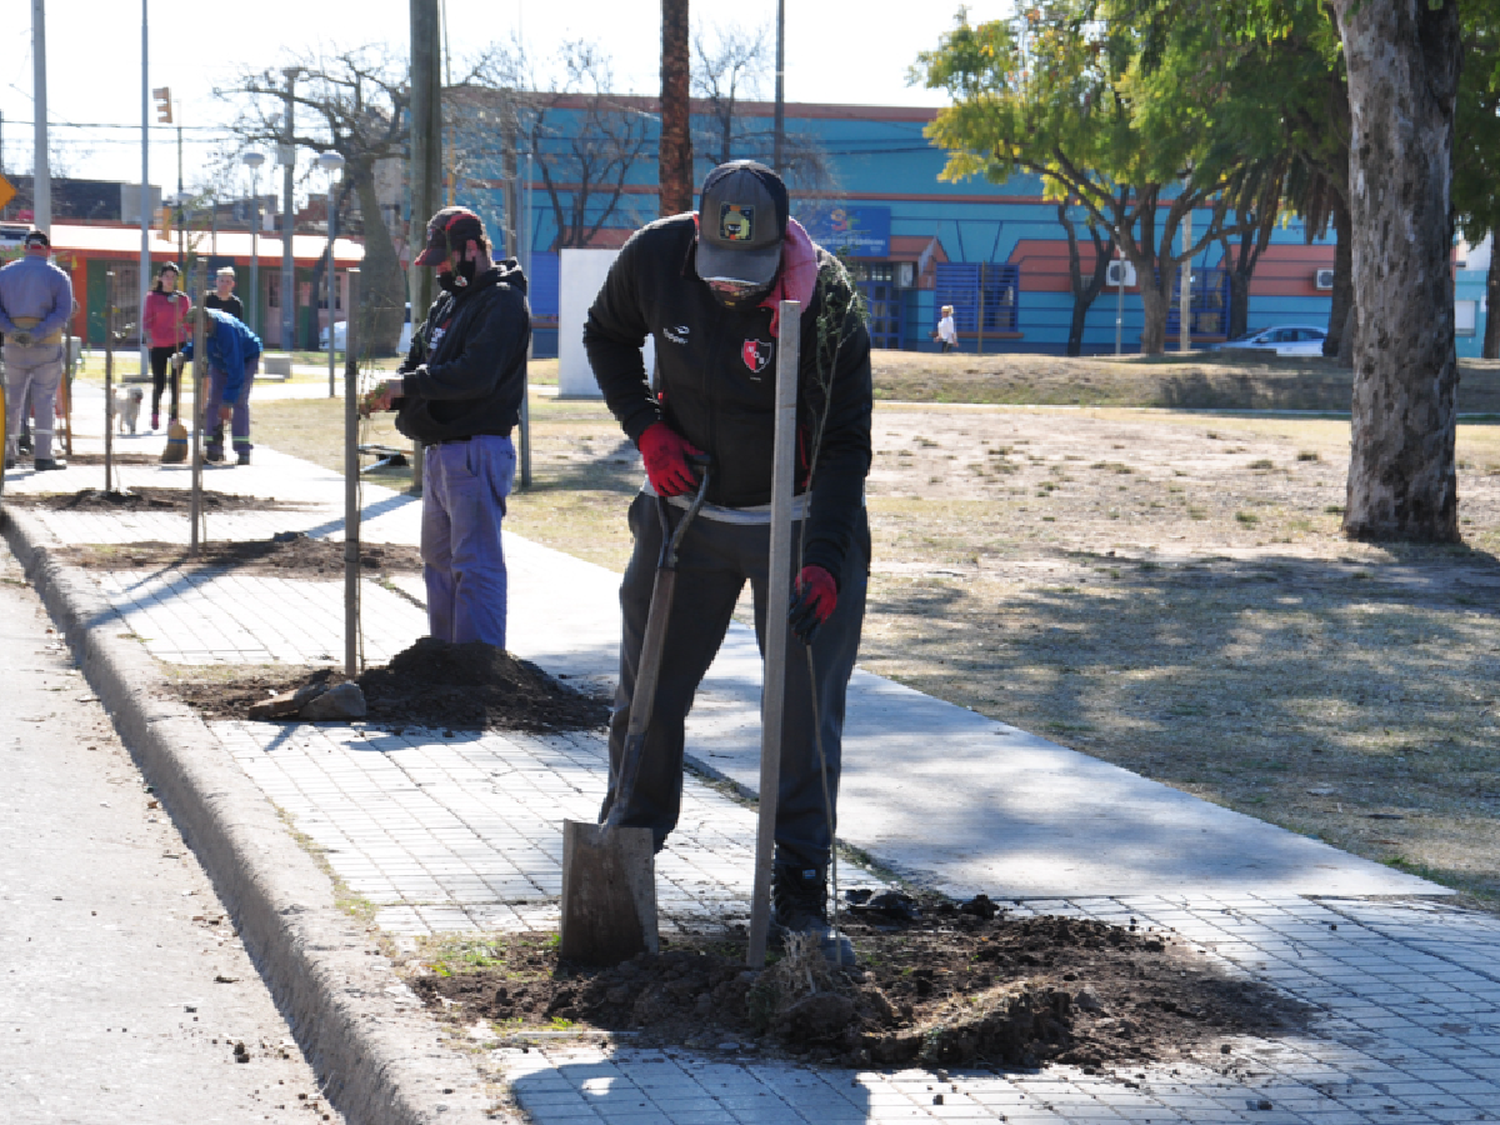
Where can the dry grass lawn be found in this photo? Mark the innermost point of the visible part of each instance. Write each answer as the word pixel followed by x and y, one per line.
pixel 1163 589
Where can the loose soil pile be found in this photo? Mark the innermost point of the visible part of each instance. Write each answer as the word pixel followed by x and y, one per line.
pixel 147 499
pixel 957 985
pixel 287 555
pixel 471 686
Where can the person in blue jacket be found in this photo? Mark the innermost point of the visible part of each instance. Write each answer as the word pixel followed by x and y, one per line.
pixel 233 360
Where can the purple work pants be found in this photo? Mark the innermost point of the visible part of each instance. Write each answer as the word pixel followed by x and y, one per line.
pixel 465 484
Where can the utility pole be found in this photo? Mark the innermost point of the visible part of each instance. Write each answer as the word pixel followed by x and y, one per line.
pixel 674 159
pixel 42 184
pixel 288 157
pixel 145 201
pixel 426 169
pixel 780 128
pixel 426 142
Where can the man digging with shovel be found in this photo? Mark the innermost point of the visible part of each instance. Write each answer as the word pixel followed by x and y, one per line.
pixel 706 286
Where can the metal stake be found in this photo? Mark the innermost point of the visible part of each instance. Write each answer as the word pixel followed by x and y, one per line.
pixel 778 599
pixel 200 372
pixel 351 479
pixel 109 380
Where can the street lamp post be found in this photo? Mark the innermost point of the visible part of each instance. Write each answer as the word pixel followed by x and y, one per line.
pixel 331 163
pixel 288 157
pixel 253 161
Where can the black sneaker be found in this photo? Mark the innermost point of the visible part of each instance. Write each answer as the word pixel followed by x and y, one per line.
pixel 243 458
pixel 47 464
pixel 213 453
pixel 799 904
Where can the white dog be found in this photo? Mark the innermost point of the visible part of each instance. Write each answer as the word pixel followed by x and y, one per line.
pixel 128 406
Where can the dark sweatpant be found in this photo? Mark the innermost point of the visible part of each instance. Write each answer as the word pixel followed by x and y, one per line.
pixel 715 561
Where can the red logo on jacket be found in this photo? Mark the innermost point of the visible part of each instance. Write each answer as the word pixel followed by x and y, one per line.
pixel 756 354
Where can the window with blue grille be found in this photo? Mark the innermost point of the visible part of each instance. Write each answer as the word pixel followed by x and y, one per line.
pixel 984 295
pixel 1208 305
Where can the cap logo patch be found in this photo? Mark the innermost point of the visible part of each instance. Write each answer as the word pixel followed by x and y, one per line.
pixel 736 222
pixel 756 354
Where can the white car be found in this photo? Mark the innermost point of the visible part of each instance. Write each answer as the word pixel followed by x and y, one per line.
pixel 1283 339
pixel 341 335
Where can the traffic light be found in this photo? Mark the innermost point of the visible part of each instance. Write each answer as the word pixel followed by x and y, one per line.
pixel 163 96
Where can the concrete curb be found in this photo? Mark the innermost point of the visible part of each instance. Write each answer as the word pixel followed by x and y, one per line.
pixel 379 1057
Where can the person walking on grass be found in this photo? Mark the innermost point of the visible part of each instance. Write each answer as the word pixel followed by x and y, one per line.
pixel 947 332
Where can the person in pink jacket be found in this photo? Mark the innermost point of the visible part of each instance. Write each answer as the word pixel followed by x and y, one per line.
pixel 166 331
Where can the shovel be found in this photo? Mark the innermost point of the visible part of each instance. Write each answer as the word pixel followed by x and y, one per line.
pixel 609 871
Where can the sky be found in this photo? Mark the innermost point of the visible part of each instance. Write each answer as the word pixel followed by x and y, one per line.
pixel 855 55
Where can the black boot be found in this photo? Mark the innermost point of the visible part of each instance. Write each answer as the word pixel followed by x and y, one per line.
pixel 799 905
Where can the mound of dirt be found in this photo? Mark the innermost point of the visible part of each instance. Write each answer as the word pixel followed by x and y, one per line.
pixel 475 686
pixel 471 686
pixel 945 985
pixel 147 499
pixel 287 555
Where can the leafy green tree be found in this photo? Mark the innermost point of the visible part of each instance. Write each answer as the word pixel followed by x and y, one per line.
pixel 1476 152
pixel 1063 94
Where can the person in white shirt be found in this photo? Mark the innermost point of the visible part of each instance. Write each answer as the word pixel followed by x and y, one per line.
pixel 947 332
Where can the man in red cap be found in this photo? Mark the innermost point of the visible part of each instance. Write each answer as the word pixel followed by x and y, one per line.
pixel 459 392
pixel 706 286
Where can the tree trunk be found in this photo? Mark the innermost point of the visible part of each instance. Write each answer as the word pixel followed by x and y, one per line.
pixel 1492 305
pixel 1084 292
pixel 1403 60
pixel 382 292
pixel 675 155
pixel 1343 281
pixel 1155 304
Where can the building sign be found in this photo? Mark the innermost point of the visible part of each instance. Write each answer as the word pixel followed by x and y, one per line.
pixel 859 232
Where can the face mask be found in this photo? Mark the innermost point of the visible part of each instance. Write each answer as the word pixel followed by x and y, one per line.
pixel 737 296
pixel 450 281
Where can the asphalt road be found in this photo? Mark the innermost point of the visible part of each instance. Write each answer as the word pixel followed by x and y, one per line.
pixel 125 995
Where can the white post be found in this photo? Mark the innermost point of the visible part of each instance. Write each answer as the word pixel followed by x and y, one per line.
pixel 778 601
pixel 42 180
pixel 1119 297
pixel 253 161
pixel 145 202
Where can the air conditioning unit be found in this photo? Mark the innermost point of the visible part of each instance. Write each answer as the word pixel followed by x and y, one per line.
pixel 1120 273
pixel 1323 279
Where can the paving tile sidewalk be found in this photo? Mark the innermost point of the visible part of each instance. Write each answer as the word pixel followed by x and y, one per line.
pixel 450 833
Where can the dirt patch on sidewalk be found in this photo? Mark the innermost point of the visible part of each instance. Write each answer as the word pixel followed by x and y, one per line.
pixel 957 985
pixel 288 555
pixel 149 499
pixel 433 684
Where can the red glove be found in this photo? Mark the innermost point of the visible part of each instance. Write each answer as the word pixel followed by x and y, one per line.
pixel 816 595
pixel 666 452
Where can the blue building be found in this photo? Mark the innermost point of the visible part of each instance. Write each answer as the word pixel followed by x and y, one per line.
pixel 866 180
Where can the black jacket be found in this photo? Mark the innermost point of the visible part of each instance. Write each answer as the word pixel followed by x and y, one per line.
pixel 466 371
pixel 716 372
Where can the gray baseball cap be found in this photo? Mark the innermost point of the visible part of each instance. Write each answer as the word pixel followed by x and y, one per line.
pixel 742 220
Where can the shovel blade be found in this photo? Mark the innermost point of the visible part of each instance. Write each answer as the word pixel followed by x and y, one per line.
pixel 608 894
